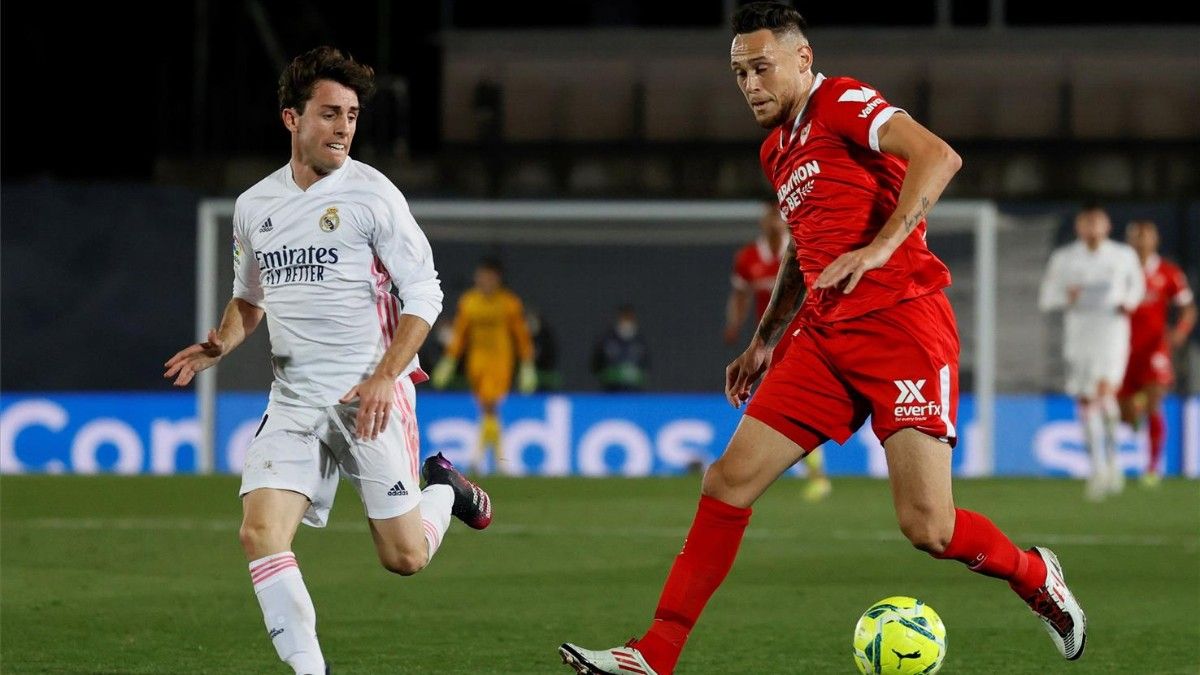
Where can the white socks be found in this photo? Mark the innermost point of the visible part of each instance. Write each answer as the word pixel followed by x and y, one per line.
pixel 287 607
pixel 1111 414
pixel 1099 419
pixel 288 612
pixel 436 502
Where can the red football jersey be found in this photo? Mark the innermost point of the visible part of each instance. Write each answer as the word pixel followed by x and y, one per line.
pixel 836 190
pixel 755 267
pixel 1166 285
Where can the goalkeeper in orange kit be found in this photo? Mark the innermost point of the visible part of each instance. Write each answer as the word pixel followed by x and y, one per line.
pixel 490 328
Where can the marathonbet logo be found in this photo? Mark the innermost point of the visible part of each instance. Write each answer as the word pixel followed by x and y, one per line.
pixel 911 403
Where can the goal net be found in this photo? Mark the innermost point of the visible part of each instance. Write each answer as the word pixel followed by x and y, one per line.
pixel 576 261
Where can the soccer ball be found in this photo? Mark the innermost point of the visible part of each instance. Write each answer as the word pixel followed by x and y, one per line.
pixel 899 636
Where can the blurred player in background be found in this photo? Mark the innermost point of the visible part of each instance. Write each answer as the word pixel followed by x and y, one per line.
pixel 490 328
pixel 1098 283
pixel 755 268
pixel 1149 373
pixel 327 250
pixel 855 179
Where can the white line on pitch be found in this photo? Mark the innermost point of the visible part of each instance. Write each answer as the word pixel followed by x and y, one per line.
pixel 1064 539
pixel 517 529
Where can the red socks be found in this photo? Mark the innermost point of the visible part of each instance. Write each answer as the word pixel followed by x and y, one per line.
pixel 1158 433
pixel 701 566
pixel 713 542
pixel 986 550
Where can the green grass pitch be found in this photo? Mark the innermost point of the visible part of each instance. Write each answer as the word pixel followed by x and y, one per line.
pixel 144 575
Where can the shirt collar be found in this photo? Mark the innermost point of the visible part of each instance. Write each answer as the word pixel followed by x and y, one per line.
pixel 796 125
pixel 317 186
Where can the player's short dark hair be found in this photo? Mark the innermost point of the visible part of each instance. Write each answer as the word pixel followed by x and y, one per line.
pixel 297 81
pixel 777 17
pixel 492 264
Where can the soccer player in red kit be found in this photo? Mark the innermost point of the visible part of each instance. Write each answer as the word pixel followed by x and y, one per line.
pixel 755 269
pixel 1149 371
pixel 855 178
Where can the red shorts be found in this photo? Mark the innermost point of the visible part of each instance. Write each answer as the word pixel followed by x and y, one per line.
pixel 898 365
pixel 1146 367
pixel 785 340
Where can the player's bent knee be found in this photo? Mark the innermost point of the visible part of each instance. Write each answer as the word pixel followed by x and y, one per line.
pixel 259 539
pixel 719 484
pixel 404 563
pixel 927 526
pixel 931 535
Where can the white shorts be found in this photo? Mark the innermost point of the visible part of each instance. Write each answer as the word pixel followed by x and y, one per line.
pixel 1095 350
pixel 302 449
pixel 1084 374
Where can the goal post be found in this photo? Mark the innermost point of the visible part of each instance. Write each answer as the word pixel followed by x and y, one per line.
pixel 640 224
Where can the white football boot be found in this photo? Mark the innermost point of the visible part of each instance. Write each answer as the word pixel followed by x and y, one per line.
pixel 1054 604
pixel 625 660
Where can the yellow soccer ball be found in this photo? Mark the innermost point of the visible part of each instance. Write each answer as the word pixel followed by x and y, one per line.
pixel 899 636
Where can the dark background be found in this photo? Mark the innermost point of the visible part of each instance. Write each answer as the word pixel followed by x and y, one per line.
pixel 118 118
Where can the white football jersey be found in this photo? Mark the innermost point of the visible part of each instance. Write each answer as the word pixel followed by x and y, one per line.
pixel 1110 284
pixel 322 264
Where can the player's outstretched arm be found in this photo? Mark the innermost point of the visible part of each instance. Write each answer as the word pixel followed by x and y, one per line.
pixel 786 297
pixel 1053 293
pixel 931 165
pixel 240 319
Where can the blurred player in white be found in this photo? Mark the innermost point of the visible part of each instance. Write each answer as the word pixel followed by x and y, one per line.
pixel 755 269
pixel 326 249
pixel 1098 283
pixel 1149 372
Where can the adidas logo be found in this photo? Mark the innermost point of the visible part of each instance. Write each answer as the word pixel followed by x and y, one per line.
pixel 397 490
pixel 266 226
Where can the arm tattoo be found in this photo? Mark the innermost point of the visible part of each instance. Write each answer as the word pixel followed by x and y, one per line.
pixel 911 220
pixel 785 298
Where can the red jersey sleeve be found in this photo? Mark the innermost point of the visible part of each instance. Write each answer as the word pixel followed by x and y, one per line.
pixel 856 111
pixel 1177 287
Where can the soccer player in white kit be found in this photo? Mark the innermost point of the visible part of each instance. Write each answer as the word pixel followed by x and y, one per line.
pixel 1098 283
pixel 327 250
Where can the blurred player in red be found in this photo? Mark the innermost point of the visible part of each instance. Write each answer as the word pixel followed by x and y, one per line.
pixel 855 178
pixel 755 268
pixel 1149 374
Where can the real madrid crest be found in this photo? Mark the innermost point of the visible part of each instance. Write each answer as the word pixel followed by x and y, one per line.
pixel 329 220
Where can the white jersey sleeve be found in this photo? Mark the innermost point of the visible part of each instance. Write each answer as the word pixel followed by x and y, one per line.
pixel 405 252
pixel 1053 292
pixel 1131 284
pixel 247 283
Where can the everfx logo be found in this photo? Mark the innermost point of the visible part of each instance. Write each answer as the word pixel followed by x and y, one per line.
pixel 911 404
pixel 910 392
